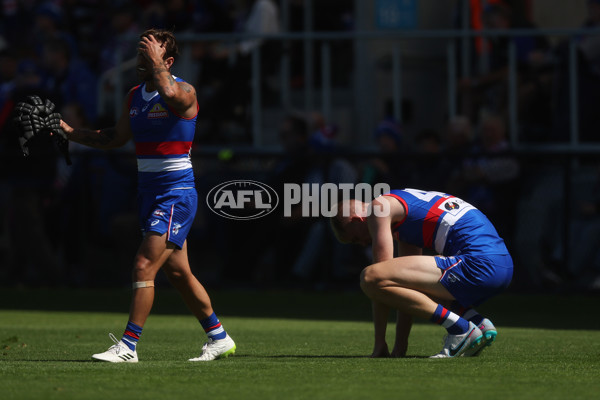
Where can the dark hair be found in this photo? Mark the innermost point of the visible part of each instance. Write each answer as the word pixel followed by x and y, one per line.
pixel 165 37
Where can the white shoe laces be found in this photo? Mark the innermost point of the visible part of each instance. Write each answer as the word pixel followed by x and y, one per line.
pixel 209 349
pixel 115 348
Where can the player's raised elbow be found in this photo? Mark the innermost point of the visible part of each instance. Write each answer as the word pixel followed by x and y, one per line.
pixel 169 94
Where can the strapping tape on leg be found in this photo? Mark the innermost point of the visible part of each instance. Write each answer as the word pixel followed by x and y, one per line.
pixel 143 284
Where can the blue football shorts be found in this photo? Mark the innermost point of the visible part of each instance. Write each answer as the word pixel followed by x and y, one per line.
pixel 474 278
pixel 171 212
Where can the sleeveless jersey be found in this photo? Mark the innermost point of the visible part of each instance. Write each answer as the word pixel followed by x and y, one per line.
pixel 163 142
pixel 445 223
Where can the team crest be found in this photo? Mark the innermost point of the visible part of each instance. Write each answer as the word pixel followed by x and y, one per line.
pixel 133 112
pixel 176 228
pixel 158 111
pixel 158 213
pixel 452 206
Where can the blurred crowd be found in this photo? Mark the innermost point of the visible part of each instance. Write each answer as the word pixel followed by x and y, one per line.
pixel 77 225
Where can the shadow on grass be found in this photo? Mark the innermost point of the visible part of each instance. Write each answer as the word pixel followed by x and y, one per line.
pixel 50 361
pixel 308 356
pixel 331 356
pixel 243 356
pixel 511 309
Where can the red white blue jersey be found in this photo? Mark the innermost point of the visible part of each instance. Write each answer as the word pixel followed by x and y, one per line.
pixel 444 223
pixel 163 142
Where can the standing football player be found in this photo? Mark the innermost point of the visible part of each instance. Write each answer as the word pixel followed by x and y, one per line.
pixel 160 116
pixel 473 265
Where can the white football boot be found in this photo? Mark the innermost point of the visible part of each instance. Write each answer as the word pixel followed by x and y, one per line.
pixel 117 353
pixel 488 330
pixel 457 345
pixel 214 349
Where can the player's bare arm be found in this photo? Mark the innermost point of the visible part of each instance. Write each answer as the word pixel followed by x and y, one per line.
pixel 383 250
pixel 107 138
pixel 379 224
pixel 404 321
pixel 179 95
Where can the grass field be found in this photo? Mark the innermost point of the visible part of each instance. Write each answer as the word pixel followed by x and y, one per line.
pixel 291 345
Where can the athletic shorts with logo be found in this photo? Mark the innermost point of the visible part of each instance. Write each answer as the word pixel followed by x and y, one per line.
pixel 171 212
pixel 474 278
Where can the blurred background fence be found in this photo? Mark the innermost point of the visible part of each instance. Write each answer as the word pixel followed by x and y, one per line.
pixel 493 101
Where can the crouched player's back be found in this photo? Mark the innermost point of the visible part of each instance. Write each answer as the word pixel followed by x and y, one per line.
pixel 446 224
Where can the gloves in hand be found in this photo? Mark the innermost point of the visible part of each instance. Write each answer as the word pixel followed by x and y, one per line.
pixel 36 117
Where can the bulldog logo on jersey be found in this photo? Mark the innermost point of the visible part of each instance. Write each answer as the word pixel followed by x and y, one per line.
pixel 451 206
pixel 158 111
pixel 133 112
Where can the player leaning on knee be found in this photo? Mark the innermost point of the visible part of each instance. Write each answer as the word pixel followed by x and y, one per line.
pixel 160 116
pixel 473 265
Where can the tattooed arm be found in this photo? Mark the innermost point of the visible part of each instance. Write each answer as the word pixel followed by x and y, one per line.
pixel 179 95
pixel 108 138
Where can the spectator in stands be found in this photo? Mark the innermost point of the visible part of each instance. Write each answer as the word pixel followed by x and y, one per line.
pixel 491 176
pixel 229 97
pixel 430 170
pixel 212 16
pixel 123 21
pixel 585 260
pixel 68 79
pixel 459 135
pixel 588 79
pixel 8 74
pixel 48 26
pixel 320 251
pixel 389 167
pixel 488 91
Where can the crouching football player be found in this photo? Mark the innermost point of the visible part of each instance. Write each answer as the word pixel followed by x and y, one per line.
pixel 473 265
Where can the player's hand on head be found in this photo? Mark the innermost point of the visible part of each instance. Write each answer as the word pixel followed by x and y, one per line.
pixel 152 49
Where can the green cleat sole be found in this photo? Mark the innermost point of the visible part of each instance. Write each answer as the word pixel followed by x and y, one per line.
pixel 228 353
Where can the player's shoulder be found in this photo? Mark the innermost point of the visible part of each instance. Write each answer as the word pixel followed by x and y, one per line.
pixel 383 200
pixel 185 85
pixel 387 207
pixel 133 89
pixel 181 81
pixel 130 94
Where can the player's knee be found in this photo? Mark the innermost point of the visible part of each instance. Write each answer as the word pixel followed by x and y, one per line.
pixel 176 275
pixel 370 278
pixel 142 269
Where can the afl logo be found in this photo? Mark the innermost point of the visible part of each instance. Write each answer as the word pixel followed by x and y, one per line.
pixel 242 200
pixel 133 112
pixel 452 206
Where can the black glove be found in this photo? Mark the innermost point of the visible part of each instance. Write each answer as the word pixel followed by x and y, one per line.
pixel 30 122
pixel 36 117
pixel 59 135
